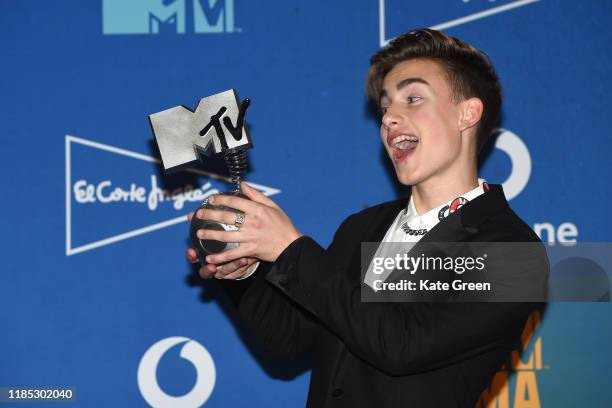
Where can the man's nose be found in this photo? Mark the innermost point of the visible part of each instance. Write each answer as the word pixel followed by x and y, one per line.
pixel 390 119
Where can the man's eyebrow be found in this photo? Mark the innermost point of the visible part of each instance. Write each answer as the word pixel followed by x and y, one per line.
pixel 404 83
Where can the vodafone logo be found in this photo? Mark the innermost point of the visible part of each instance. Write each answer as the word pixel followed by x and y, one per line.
pixel 520 159
pixel 191 351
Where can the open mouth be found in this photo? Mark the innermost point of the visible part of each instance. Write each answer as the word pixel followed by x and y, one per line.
pixel 402 145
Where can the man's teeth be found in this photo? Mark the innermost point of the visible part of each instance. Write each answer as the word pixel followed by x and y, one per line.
pixel 398 142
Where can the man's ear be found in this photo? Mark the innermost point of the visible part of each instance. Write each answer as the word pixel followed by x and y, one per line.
pixel 470 113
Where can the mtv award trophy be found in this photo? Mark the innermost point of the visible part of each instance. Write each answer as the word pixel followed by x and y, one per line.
pixel 182 134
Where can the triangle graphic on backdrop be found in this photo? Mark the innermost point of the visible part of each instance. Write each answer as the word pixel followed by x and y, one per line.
pixel 70 250
pixel 452 23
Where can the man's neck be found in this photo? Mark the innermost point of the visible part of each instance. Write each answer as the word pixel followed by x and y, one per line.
pixel 436 191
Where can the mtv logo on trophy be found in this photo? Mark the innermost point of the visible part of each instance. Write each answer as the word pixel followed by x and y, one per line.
pixel 182 135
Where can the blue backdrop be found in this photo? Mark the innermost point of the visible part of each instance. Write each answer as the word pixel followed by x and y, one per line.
pixel 94 291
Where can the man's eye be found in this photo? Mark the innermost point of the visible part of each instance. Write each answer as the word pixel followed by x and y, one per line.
pixel 413 99
pixel 383 110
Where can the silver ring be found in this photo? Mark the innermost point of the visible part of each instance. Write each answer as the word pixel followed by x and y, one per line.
pixel 239 219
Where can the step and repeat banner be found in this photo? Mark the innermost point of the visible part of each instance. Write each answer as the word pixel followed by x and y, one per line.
pixel 95 292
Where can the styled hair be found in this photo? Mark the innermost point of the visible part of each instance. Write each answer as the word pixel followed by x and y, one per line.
pixel 469 71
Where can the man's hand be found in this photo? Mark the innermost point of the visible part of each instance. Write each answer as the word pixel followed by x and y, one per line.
pixel 264 234
pixel 232 270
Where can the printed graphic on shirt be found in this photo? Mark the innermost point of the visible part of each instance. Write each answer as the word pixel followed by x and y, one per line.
pixel 456 204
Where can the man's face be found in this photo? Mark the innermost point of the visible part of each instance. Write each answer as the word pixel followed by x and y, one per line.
pixel 420 123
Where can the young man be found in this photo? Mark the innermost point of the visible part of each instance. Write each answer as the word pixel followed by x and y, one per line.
pixel 440 99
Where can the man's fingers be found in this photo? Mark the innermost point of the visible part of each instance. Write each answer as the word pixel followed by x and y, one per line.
pixel 229 255
pixel 242 204
pixel 192 255
pixel 208 271
pixel 235 275
pixel 230 267
pixel 223 236
pixel 256 196
pixel 226 217
pixel 246 264
pixel 230 272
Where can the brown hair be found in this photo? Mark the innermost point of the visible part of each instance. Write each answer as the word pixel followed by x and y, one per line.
pixel 469 70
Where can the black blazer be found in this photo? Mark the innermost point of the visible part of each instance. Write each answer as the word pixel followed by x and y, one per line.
pixel 387 354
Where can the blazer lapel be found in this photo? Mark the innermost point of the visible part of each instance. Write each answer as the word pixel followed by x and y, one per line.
pixel 381 224
pixel 375 231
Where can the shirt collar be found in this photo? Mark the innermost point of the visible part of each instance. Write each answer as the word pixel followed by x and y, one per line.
pixel 435 215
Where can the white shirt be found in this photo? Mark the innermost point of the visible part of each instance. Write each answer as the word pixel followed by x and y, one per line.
pixel 409 226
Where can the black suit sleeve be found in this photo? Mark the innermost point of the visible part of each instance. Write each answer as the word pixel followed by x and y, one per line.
pixel 397 338
pixel 278 323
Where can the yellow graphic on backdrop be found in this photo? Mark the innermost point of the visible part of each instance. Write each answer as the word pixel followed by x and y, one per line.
pixel 525 365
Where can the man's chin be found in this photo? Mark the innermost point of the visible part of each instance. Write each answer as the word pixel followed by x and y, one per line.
pixel 407 179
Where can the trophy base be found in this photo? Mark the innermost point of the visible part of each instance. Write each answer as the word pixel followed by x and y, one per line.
pixel 206 247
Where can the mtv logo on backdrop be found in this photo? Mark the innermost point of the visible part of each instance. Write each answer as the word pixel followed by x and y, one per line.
pixel 167 16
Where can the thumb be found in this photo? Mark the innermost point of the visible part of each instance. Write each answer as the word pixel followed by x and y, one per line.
pixel 256 195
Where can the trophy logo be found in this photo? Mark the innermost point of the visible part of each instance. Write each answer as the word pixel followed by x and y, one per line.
pixel 184 136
